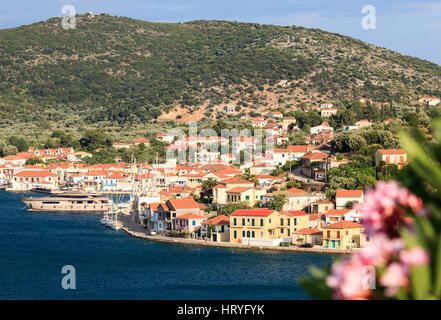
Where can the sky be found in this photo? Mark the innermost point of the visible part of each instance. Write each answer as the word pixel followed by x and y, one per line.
pixel 408 26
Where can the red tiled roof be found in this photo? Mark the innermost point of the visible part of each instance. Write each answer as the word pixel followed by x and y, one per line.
pixel 221 219
pixel 315 155
pixel 392 151
pixel 188 216
pixel 297 213
pixel 298 149
pixel 180 204
pixel 36 173
pixel 295 190
pixel 344 225
pixel 252 213
pixel 349 193
pixel 308 231
pixel 238 189
pixel 339 212
pixel 236 180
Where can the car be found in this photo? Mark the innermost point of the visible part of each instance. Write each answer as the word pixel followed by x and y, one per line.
pixel 306 245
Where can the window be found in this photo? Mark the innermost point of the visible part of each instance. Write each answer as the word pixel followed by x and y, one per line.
pixel 289 222
pixel 347 232
pixel 247 197
pixel 295 221
pixel 338 234
pixel 194 222
pixel 252 222
pixel 243 222
pixel 281 221
pixel 243 233
pixel 328 233
pixel 282 230
pixel 234 222
pixel 253 234
pixel 235 234
pixel 261 222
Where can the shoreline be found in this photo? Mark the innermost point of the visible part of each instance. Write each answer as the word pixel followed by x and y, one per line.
pixel 135 230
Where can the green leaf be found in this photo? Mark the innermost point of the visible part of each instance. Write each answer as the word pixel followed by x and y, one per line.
pixel 420 281
pixel 438 269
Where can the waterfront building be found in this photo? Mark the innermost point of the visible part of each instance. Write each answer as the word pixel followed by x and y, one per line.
pixel 344 235
pixel 216 229
pixel 26 180
pixel 311 236
pixel 188 222
pixel 253 224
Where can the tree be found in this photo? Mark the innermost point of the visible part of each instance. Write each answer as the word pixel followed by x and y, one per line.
pixel 9 150
pixel 207 188
pixel 278 202
pixel 20 143
pixel 33 161
pixel 94 139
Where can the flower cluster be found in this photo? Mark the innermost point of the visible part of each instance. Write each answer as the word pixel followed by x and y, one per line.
pixel 383 214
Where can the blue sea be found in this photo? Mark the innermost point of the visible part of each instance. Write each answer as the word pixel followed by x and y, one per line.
pixel 110 264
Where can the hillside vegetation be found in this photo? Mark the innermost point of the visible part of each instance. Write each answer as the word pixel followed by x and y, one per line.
pixel 116 71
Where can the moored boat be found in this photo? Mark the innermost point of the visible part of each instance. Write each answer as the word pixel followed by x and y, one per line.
pixel 69 203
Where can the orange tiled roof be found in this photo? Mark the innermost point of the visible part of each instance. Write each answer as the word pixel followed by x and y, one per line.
pixel 344 225
pixel 349 193
pixel 221 219
pixel 264 212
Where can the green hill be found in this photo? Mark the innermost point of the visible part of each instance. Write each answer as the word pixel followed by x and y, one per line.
pixel 120 70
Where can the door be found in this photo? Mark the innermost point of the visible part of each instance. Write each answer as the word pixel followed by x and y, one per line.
pixel 214 237
pixel 333 243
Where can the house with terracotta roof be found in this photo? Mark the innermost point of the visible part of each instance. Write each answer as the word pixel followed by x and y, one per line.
pixel 312 236
pixel 344 235
pixel 174 208
pixel 345 197
pixel 298 151
pixel 250 195
pixel 138 141
pixel 220 191
pixel 288 222
pixel 249 224
pixel 216 229
pixel 7 171
pixel 121 145
pixel 323 128
pixel 363 123
pixel 326 105
pixel 321 206
pixel 429 101
pixel 259 122
pixel 397 157
pixel 267 181
pixel 274 114
pixel 315 165
pixel 14 160
pixel 188 222
pixel 336 215
pixel 30 179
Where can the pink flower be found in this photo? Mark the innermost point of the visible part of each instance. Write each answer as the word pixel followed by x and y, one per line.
pixel 394 278
pixel 348 278
pixel 382 209
pixel 416 256
pixel 380 250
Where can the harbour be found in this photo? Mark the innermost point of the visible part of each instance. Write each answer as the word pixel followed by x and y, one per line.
pixel 114 265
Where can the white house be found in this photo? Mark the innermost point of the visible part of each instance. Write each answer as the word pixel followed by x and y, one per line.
pixel 342 197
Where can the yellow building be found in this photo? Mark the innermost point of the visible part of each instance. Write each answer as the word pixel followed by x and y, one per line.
pixel 245 194
pixel 254 223
pixel 291 221
pixel 344 235
pixel 220 191
pixel 265 224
